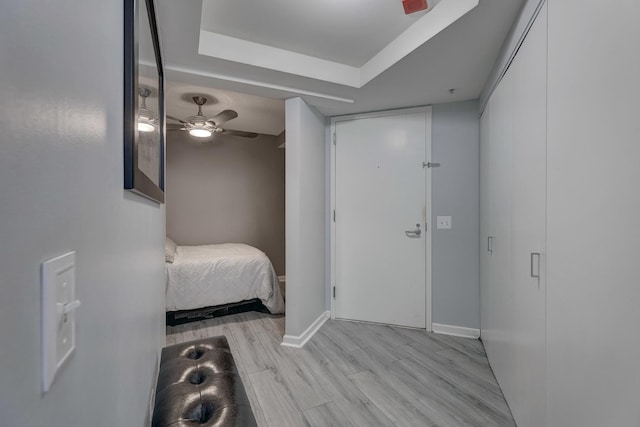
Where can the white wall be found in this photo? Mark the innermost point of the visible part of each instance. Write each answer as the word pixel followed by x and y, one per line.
pixel 61 180
pixel 593 291
pixel 455 192
pixel 230 190
pixel 305 215
pixel 514 39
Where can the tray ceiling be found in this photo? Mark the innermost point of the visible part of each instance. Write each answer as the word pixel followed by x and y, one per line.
pixel 347 32
pixel 411 72
pixel 322 40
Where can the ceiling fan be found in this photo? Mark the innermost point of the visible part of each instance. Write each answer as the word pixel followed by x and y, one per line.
pixel 203 127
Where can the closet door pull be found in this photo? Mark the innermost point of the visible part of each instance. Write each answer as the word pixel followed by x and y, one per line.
pixel 490 244
pixel 537 274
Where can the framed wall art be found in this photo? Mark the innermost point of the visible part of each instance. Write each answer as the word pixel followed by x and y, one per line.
pixel 144 115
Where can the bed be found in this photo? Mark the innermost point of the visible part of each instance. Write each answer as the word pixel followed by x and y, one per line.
pixel 219 275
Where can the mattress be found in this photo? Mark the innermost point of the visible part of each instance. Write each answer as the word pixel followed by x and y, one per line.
pixel 210 275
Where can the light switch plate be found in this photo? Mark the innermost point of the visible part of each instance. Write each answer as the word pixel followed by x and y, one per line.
pixel 58 314
pixel 444 222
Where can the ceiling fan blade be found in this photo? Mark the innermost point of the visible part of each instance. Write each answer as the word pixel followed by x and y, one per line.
pixel 175 118
pixel 239 133
pixel 222 117
pixel 173 126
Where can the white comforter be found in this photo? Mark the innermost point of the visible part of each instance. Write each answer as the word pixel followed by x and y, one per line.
pixel 208 275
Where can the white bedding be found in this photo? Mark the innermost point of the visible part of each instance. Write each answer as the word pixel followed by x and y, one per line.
pixel 209 275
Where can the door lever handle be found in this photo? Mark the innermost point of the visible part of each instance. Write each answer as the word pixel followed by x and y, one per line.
pixel 414 233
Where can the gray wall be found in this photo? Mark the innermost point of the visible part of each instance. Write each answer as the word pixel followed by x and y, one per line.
pixel 61 180
pixel 305 216
pixel 228 191
pixel 455 192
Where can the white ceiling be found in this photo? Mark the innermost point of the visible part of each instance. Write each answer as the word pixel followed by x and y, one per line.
pixel 336 30
pixel 375 56
pixel 460 56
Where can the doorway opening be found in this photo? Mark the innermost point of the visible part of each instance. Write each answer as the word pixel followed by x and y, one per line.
pixel 225 205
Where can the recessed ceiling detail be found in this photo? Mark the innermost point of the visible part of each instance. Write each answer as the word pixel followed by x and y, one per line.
pixel 461 56
pixel 398 39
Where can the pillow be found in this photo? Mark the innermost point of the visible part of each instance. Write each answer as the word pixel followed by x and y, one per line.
pixel 169 250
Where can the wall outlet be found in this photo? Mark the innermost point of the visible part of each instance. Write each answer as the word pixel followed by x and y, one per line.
pixel 443 222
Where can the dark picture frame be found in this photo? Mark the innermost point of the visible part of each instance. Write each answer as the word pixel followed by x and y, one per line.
pixel 144 113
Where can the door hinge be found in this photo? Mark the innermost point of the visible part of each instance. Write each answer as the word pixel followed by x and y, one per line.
pixel 334 291
pixel 334 215
pixel 334 138
pixel 430 165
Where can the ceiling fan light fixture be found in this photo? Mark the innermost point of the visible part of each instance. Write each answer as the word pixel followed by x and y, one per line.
pixel 200 132
pixel 197 126
pixel 146 120
pixel 145 127
pixel 202 127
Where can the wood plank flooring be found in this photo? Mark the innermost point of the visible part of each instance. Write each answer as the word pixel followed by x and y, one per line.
pixel 357 374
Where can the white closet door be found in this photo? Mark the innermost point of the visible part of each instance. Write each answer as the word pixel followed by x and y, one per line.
pixel 486 274
pixel 529 224
pixel 513 285
pixel 499 289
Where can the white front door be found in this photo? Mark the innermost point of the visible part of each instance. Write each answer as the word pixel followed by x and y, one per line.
pixel 381 215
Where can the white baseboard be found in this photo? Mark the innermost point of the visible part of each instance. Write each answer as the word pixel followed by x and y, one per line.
pixel 300 341
pixel 456 331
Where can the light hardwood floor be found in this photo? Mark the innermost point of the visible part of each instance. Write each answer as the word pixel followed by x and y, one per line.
pixel 357 374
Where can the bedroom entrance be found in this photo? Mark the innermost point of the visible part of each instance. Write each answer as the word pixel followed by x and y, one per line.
pixel 381 241
pixel 225 202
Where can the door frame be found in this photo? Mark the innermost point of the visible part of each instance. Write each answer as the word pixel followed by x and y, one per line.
pixel 428 222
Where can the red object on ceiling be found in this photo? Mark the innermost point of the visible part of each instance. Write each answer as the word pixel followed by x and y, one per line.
pixel 412 6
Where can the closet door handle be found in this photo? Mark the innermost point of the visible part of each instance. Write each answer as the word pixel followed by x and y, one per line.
pixel 537 274
pixel 490 244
